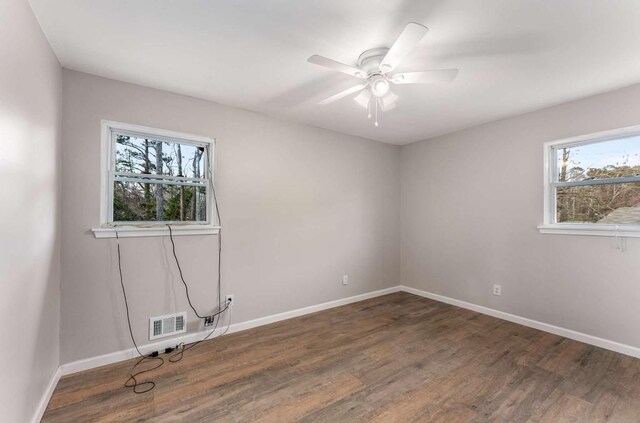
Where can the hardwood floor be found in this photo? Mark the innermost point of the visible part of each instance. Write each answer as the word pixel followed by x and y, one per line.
pixel 396 358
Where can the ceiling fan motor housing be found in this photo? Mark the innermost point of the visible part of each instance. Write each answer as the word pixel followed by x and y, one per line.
pixel 369 61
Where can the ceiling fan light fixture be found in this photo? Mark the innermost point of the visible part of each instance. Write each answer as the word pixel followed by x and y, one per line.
pixel 388 107
pixel 388 101
pixel 385 67
pixel 379 86
pixel 363 98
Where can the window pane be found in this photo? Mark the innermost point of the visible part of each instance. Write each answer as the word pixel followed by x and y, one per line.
pixel 608 159
pixel 134 201
pixel 148 156
pixel 609 203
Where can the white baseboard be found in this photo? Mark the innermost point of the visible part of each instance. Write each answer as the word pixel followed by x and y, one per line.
pixel 102 360
pixel 114 357
pixel 46 396
pixel 117 356
pixel 567 333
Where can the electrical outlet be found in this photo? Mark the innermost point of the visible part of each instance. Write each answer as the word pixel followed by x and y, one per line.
pixel 497 289
pixel 229 300
pixel 345 279
pixel 208 321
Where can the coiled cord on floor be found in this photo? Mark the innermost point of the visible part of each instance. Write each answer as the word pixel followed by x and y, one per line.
pixel 133 382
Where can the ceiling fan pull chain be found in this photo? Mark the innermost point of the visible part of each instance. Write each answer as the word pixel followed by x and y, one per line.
pixel 369 108
pixel 376 123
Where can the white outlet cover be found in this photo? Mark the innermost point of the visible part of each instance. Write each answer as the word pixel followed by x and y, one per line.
pixel 230 297
pixel 345 279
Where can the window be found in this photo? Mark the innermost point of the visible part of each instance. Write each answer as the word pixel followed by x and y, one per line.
pixel 152 178
pixel 592 184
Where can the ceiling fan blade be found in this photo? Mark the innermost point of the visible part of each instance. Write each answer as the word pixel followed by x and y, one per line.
pixel 342 94
pixel 442 75
pixel 340 67
pixel 409 37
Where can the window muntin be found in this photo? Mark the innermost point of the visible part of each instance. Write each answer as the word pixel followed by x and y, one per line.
pixel 596 181
pixel 156 179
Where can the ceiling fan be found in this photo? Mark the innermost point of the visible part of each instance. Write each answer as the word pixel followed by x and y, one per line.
pixel 375 68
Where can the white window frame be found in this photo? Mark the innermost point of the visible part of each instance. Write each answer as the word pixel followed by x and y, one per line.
pixel 108 227
pixel 550 225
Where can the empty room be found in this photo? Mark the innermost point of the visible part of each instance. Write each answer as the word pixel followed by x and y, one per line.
pixel 330 211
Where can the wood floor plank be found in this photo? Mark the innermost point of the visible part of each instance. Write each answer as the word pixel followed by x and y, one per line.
pixel 396 358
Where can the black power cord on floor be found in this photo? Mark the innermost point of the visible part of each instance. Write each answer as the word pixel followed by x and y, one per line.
pixel 132 382
pixel 184 348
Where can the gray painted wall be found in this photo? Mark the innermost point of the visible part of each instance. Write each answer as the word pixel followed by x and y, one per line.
pixel 471 202
pixel 30 93
pixel 300 206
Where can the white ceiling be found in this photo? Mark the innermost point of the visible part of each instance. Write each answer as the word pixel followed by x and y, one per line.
pixel 514 56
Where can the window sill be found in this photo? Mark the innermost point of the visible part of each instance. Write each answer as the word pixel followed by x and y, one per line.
pixel 142 231
pixel 623 231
